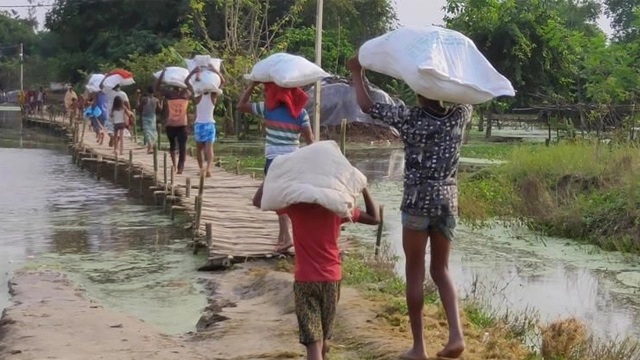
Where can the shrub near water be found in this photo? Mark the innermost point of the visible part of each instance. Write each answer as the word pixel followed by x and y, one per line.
pixel 584 190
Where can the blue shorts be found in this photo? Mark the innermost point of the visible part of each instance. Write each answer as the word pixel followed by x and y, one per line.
pixel 204 132
pixel 445 224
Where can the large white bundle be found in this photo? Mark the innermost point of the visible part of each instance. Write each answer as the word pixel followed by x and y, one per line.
pixel 437 63
pixel 117 79
pixel 174 76
pixel 93 85
pixel 286 71
pixel 317 174
pixel 204 61
pixel 208 81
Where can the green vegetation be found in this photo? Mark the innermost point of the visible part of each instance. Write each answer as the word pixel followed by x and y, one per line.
pixel 583 190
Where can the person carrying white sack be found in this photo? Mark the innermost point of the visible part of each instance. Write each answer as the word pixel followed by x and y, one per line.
pixel 432 137
pixel 204 128
pixel 285 120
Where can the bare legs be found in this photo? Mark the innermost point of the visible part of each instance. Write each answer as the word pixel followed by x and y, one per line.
pixel 204 153
pixel 315 351
pixel 414 244
pixel 284 235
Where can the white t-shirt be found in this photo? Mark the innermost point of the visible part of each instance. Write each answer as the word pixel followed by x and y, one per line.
pixel 111 96
pixel 118 116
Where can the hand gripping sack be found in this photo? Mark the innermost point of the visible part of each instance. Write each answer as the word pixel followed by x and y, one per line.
pixel 173 76
pixel 317 174
pixel 93 85
pixel 437 63
pixel 119 77
pixel 286 71
pixel 208 81
pixel 204 61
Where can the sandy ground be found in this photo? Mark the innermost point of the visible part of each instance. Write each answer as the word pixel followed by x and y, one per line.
pixel 249 316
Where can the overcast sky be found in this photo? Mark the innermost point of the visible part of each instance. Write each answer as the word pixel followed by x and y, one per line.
pixel 410 12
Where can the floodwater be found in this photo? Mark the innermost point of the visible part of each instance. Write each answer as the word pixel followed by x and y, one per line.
pixel 126 255
pixel 512 268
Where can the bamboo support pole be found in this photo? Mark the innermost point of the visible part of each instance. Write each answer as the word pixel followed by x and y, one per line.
pixel 158 129
pixel 115 169
pixel 379 232
pixel 130 169
pixel 343 136
pixel 155 166
pixel 209 233
pixel 84 127
pixel 164 170
pixel 99 168
pixel 188 188
pixel 237 166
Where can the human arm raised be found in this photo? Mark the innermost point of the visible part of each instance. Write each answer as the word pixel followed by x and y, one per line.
pixel 243 104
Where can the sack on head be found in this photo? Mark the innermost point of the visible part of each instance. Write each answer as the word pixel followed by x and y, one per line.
pixel 119 77
pixel 207 81
pixel 93 85
pixel 286 71
pixel 173 76
pixel 316 174
pixel 437 63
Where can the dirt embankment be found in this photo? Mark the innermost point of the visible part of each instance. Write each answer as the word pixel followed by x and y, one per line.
pixel 250 316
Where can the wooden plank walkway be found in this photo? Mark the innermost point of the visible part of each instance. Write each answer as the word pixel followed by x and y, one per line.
pixel 238 228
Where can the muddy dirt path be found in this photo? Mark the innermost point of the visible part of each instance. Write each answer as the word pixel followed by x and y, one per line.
pixel 250 316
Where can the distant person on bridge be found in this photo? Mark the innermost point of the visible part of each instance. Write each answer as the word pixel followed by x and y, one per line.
pixel 69 108
pixel 111 95
pixel 149 106
pixel 176 121
pixel 22 102
pixel 432 136
pixel 285 120
pixel 121 116
pixel 204 127
pixel 41 98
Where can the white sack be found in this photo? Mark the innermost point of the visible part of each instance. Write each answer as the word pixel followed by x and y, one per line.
pixel 317 174
pixel 93 85
pixel 173 76
pixel 204 61
pixel 437 63
pixel 115 80
pixel 209 82
pixel 286 71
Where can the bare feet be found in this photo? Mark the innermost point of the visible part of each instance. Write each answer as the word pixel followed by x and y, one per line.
pixel 179 171
pixel 283 249
pixel 413 354
pixel 208 174
pixel 452 350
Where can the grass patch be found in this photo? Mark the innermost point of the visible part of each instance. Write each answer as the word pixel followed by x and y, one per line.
pixel 585 190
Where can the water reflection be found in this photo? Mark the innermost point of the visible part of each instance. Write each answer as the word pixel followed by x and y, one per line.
pixel 514 269
pixel 127 255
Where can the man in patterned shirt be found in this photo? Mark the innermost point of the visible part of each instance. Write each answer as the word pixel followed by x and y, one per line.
pixel 432 136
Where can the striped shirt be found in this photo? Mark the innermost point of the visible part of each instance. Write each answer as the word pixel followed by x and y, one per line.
pixel 282 130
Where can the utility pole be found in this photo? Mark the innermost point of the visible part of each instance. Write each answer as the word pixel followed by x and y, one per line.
pixel 21 67
pixel 318 87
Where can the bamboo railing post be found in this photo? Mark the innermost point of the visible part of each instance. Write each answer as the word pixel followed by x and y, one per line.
pixel 99 167
pixel 379 233
pixel 155 166
pixel 115 169
pixel 187 192
pixel 135 132
pixel 142 182
pixel 84 126
pixel 199 205
pixel 130 168
pixel 158 141
pixel 164 169
pixel 237 166
pixel 343 136
pixel 196 221
pixel 209 233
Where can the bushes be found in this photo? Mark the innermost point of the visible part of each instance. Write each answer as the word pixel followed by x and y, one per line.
pixel 588 191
